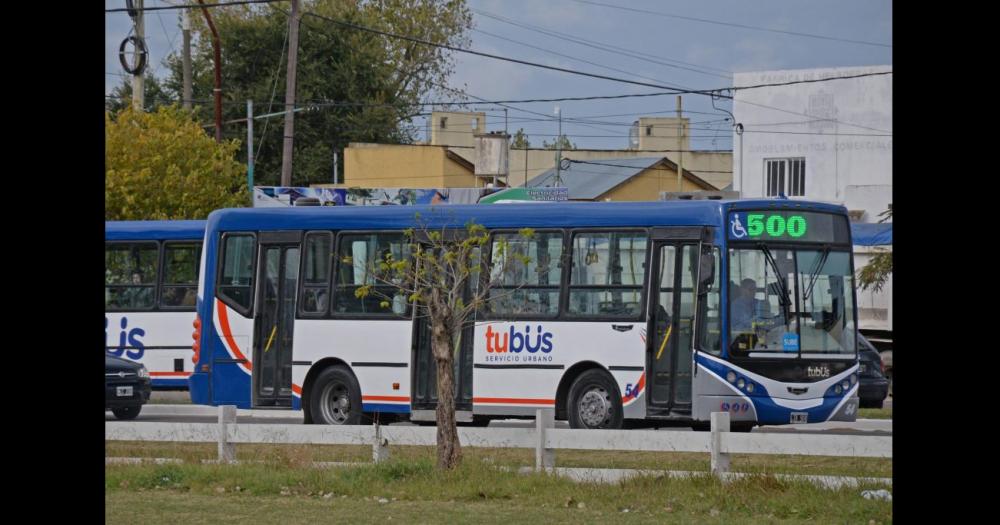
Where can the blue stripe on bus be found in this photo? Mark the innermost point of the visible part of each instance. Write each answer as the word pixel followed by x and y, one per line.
pixel 385 407
pixel 171 383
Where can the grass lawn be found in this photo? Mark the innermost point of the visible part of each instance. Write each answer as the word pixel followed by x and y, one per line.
pixel 413 491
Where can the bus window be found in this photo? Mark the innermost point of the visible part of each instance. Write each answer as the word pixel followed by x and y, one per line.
pixel 235 283
pixel 130 276
pixel 607 274
pixel 358 257
pixel 318 250
pixel 528 284
pixel 180 275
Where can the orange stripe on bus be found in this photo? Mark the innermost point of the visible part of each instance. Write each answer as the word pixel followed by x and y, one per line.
pixel 170 374
pixel 297 389
pixel 386 398
pixel 227 333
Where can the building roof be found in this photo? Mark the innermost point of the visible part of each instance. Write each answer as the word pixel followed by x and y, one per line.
pixel 587 180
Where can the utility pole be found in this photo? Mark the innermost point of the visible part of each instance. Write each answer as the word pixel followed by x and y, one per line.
pixel 335 161
pixel 739 132
pixel 680 145
pixel 138 83
pixel 186 57
pixel 293 53
pixel 217 57
pixel 559 150
pixel 250 148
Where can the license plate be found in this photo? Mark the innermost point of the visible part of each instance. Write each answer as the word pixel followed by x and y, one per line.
pixel 124 391
pixel 799 417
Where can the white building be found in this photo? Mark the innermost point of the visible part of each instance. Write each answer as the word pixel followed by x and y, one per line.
pixel 823 141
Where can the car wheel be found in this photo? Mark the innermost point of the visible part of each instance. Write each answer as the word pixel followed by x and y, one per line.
pixel 127 412
pixel 335 398
pixel 594 401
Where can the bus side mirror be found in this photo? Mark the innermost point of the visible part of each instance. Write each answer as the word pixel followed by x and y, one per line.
pixel 706 270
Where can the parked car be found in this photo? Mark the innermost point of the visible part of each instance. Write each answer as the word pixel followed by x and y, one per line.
pixel 873 384
pixel 126 387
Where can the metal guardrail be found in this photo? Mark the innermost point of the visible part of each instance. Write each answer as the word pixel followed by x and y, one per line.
pixel 544 438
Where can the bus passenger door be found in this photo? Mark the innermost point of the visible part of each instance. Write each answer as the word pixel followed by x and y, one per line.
pixel 671 322
pixel 274 318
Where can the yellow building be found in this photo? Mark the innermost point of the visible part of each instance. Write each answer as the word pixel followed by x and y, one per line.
pixel 448 161
pixel 406 166
pixel 621 179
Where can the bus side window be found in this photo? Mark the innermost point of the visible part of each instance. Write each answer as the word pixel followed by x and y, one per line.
pixel 180 275
pixel 236 278
pixel 130 276
pixel 318 248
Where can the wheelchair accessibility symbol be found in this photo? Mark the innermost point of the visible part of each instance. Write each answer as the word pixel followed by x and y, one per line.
pixel 736 228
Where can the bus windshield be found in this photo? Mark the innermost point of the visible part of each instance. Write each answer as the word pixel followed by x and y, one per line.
pixel 790 302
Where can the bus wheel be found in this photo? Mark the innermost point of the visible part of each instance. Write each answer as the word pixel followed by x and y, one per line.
pixel 594 402
pixel 336 399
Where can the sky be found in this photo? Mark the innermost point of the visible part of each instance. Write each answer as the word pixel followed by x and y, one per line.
pixel 666 46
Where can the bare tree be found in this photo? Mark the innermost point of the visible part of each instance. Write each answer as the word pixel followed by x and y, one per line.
pixel 441 279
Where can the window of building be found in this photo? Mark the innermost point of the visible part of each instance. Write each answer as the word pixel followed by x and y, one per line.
pixel 444 122
pixel 785 177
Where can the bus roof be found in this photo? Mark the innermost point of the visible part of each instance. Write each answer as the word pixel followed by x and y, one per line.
pixel 550 215
pixel 153 230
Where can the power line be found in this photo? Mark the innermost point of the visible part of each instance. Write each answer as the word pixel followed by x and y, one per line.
pixel 573 57
pixel 717 92
pixel 497 57
pixel 574 161
pixel 608 48
pixel 730 24
pixel 192 6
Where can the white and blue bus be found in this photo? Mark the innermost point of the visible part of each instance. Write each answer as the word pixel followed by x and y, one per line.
pixel 622 312
pixel 150 294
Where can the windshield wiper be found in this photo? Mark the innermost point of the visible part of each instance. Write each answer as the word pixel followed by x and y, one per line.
pixel 778 279
pixel 814 273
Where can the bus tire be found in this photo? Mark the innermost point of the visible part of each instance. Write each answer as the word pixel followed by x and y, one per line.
pixel 127 412
pixel 594 401
pixel 335 398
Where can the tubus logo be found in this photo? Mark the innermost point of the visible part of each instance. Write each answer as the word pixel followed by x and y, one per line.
pixel 128 341
pixel 818 371
pixel 514 341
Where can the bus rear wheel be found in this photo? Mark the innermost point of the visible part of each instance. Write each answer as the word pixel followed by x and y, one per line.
pixel 594 402
pixel 337 398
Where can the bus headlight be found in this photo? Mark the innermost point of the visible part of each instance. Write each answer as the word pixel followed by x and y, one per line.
pixel 731 376
pixel 846 384
pixel 750 388
pixel 740 383
pixel 838 390
pixel 854 378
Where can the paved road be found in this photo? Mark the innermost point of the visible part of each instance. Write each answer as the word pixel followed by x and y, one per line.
pixel 179 413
